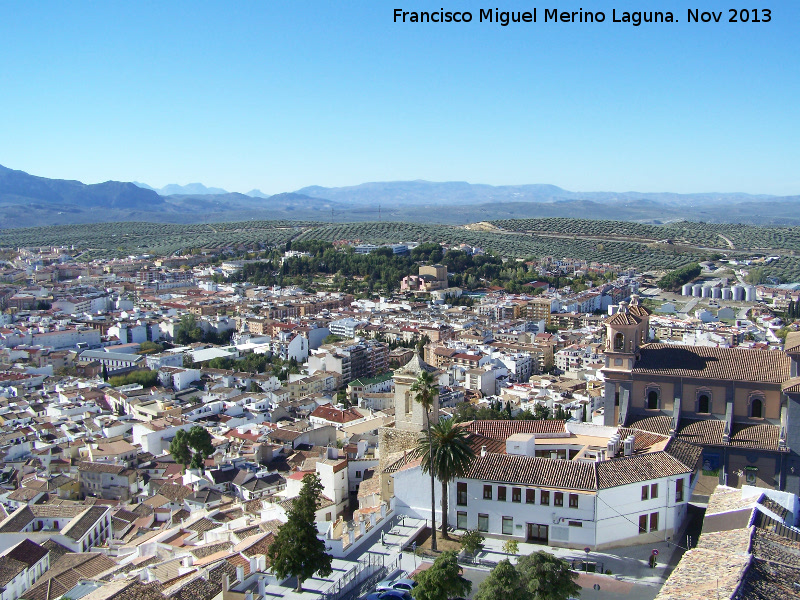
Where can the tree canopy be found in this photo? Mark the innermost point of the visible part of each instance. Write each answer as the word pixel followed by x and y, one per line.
pixel 187 331
pixel 673 280
pixel 503 582
pixel 192 447
pixel 144 377
pixel 548 577
pixel 442 581
pixel 537 576
pixel 296 550
pixel 448 454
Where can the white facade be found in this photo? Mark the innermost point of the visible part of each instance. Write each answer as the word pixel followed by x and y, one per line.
pixel 597 519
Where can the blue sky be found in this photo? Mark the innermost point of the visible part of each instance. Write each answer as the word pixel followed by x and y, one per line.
pixel 279 94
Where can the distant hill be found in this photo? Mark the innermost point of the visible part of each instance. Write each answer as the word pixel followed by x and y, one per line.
pixel 448 193
pixel 197 189
pixel 431 192
pixel 18 187
pixel 28 201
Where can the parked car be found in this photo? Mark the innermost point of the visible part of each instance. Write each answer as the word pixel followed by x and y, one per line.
pixel 390 595
pixel 403 583
pixel 386 583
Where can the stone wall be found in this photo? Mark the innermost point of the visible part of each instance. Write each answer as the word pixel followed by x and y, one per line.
pixel 392 441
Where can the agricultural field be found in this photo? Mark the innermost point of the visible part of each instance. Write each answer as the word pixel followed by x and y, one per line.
pixel 511 245
pixel 725 236
pixel 103 240
pixel 643 246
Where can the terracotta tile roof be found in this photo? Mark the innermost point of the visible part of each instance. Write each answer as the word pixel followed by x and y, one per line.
pixel 726 499
pixel 202 525
pixel 704 432
pixel 771 546
pixel 174 491
pixel 336 415
pixel 478 442
pixel 66 573
pixel 703 574
pixel 764 437
pixel 688 454
pixel 97 467
pixel 56 550
pixel 529 470
pixel 237 560
pixel 78 528
pixel 623 318
pixel 730 541
pixel 27 552
pixel 401 461
pixel 738 364
pixel 370 485
pixel 791 386
pixel 180 515
pixel 638 467
pixel 644 439
pixel 502 430
pixel 245 532
pixel 773 506
pixel 792 343
pixel 209 549
pixel 9 569
pixel 256 545
pixel 659 424
pixel 770 581
pixel 322 502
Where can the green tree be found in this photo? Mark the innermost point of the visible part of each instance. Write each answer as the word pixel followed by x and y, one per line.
pixel 425 391
pixel 144 377
pixel 472 540
pixel 511 547
pixel 150 348
pixel 191 447
pixel 548 577
pixel 756 276
pixel 504 582
pixel 442 581
pixel 541 412
pixel 297 551
pixel 187 331
pixel 448 455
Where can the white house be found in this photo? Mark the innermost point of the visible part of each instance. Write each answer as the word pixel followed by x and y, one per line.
pixel 22 566
pixel 567 485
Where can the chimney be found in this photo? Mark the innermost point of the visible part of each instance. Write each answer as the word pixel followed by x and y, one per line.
pixel 188 561
pixel 226 582
pixel 483 451
pixel 262 587
pixel 248 596
pixel 253 564
pixel 240 573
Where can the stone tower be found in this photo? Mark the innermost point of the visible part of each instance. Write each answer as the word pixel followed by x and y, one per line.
pixel 409 414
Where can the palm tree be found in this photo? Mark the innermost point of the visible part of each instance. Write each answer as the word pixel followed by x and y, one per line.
pixel 452 457
pixel 425 391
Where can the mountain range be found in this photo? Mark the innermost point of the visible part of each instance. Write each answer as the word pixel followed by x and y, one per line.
pixel 28 200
